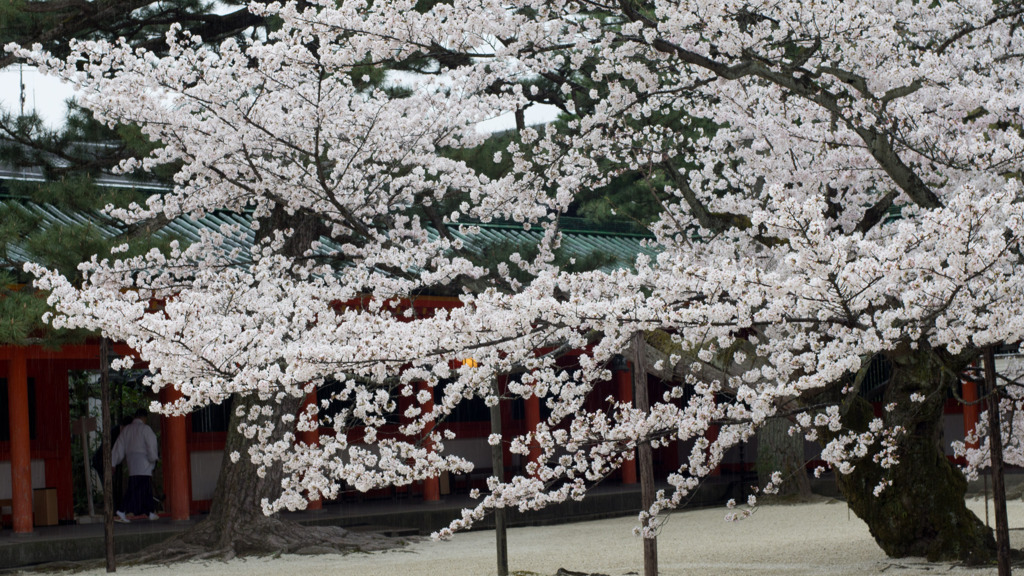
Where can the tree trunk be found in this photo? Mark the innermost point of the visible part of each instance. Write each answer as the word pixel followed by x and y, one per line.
pixel 922 513
pixel 236 521
pixel 777 451
pixel 236 524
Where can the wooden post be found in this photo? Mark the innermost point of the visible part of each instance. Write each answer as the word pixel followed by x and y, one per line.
pixel 21 448
pixel 498 468
pixel 644 454
pixel 82 427
pixel 996 445
pixel 624 384
pixel 108 473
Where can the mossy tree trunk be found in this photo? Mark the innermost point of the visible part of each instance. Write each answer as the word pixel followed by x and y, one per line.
pixel 236 523
pixel 778 451
pixel 922 512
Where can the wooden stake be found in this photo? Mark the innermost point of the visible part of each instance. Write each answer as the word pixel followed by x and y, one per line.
pixel 498 468
pixel 995 438
pixel 83 431
pixel 108 474
pixel 645 458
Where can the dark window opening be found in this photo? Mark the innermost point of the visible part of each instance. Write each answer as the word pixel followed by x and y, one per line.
pixel 471 410
pixel 212 418
pixel 5 411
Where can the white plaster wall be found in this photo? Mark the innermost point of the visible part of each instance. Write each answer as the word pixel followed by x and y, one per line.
pixel 476 450
pixel 38 477
pixel 205 468
pixel 952 429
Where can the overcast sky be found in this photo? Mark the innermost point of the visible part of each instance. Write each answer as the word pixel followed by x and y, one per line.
pixel 46 95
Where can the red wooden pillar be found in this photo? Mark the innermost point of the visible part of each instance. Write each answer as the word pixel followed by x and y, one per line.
pixel 53 377
pixel 532 421
pixel 431 486
pixel 21 450
pixel 624 384
pixel 712 435
pixel 311 437
pixel 177 467
pixel 971 409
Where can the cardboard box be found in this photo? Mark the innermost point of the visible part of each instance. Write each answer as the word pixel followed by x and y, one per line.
pixel 44 507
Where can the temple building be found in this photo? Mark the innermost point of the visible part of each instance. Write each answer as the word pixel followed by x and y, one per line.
pixel 36 426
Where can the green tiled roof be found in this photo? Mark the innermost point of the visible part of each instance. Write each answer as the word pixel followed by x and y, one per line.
pixel 580 238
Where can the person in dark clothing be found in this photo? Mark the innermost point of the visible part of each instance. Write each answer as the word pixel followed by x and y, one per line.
pixel 137 446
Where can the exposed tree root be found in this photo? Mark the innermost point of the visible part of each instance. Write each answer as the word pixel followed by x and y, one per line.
pixel 267 537
pixel 285 538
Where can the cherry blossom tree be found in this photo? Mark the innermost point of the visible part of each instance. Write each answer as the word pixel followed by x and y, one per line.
pixel 838 181
pixel 306 172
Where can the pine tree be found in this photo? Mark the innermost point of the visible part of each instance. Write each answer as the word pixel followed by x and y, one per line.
pixel 58 169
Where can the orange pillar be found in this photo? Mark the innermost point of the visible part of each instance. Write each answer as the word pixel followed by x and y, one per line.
pixel 971 409
pixel 431 486
pixel 311 437
pixel 712 435
pixel 177 468
pixel 532 421
pixel 21 451
pixel 624 382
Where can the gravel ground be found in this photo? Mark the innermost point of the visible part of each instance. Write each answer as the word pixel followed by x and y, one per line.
pixel 817 538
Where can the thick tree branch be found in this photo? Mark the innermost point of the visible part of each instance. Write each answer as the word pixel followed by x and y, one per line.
pixel 879 144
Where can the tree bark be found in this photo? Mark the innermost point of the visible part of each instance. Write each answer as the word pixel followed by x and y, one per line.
pixel 922 513
pixel 236 523
pixel 777 451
